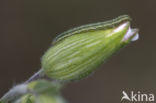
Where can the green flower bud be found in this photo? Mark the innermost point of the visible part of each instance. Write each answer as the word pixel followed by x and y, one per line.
pixel 76 53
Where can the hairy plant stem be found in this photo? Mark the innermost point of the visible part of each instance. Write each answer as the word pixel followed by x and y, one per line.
pixel 36 76
pixel 20 89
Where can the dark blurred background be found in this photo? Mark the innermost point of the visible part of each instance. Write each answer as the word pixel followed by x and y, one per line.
pixel 27 28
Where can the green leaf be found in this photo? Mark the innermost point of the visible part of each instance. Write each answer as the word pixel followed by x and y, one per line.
pixel 50 99
pixel 44 87
pixel 42 91
pixel 2 101
pixel 27 98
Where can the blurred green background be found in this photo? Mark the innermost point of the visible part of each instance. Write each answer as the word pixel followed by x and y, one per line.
pixel 27 28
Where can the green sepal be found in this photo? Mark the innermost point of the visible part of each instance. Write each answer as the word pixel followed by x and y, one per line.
pixel 78 52
pixel 92 27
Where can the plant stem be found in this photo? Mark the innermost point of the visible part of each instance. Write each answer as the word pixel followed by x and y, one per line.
pixel 20 89
pixel 36 76
pixel 14 93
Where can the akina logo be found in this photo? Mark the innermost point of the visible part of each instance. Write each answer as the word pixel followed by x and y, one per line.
pixel 137 97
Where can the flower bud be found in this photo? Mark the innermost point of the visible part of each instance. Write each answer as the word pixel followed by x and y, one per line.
pixel 76 53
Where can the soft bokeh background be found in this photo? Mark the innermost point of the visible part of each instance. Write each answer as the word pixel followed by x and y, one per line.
pixel 27 28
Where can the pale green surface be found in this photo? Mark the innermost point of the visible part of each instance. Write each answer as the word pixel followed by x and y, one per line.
pixel 27 98
pixel 50 99
pixel 42 91
pixel 76 56
pixel 40 98
pixel 92 27
pixel 44 87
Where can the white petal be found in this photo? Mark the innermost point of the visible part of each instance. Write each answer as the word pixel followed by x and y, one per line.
pixel 136 37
